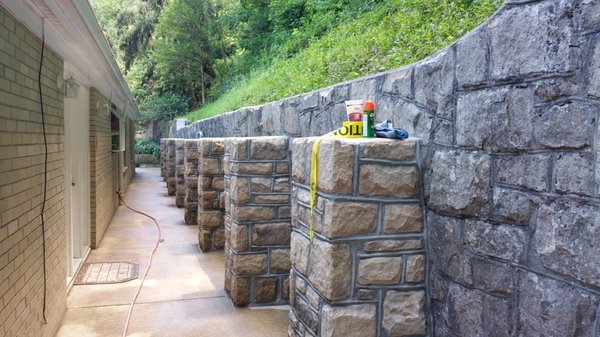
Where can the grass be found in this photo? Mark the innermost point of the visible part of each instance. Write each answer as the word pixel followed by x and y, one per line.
pixel 396 33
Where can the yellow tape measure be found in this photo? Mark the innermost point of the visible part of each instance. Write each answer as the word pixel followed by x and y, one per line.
pixel 313 186
pixel 349 130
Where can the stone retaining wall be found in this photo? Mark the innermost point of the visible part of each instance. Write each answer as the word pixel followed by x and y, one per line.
pixel 191 181
pixel 508 121
pixel 257 220
pixel 364 274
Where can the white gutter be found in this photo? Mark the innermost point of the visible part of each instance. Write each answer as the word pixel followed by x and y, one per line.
pixel 72 31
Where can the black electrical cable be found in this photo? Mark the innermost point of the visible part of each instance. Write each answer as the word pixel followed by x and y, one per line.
pixel 45 175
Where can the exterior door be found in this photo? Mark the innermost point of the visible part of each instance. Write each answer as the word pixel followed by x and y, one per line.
pixel 77 177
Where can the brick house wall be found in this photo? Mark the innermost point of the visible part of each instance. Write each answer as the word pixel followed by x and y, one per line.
pixel 103 169
pixel 21 185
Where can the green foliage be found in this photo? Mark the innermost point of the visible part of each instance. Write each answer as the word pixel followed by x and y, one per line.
pixel 147 147
pixel 128 26
pixel 166 107
pixel 384 36
pixel 179 54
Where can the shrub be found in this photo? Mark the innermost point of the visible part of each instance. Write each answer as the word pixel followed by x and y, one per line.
pixel 147 147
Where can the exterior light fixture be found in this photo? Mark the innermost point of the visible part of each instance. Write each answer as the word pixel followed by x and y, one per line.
pixel 71 87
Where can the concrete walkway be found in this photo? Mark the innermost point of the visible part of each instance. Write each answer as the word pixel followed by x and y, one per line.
pixel 183 294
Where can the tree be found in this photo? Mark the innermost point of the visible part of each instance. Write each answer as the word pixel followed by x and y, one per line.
pixel 185 46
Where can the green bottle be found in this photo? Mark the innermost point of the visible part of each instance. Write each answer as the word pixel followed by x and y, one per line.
pixel 368 119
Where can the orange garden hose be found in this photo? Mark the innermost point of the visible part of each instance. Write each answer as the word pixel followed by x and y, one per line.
pixel 158 241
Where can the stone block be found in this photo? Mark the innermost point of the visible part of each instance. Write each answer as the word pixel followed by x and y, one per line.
pixel 285 292
pixel 380 271
pixel 445 242
pixel 515 206
pixel 335 166
pixel 385 180
pixel 237 148
pixel 266 290
pixel 551 308
pixel 299 249
pixel 463 175
pixel 434 82
pixel 281 184
pixel 364 88
pixel 501 241
pixel 204 183
pixel 208 166
pixel 553 89
pixel 272 234
pixel 334 94
pixel 238 237
pixel 239 191
pixel 499 118
pixel 308 316
pixel 219 238
pixel 443 132
pixel 415 119
pixel 240 291
pixel 284 212
pixel 400 218
pixel 301 160
pixel 191 216
pixel 528 170
pixel 415 269
pixel 349 218
pixel 492 276
pixel 388 149
pixel 474 313
pixel 351 320
pixel 593 88
pixel 398 82
pixel 471 58
pixel 265 169
pixel 268 148
pixel 391 245
pixel 290 121
pixel 280 261
pixel 565 126
pixel 565 240
pixel 330 269
pixel 404 313
pixel 210 219
pixel 273 199
pixel 252 213
pixel 218 183
pixel 282 168
pixel 261 184
pixel 249 264
pixel 541 34
pixel 313 298
pixel 575 173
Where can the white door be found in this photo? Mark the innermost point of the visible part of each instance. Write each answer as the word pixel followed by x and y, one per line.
pixel 77 177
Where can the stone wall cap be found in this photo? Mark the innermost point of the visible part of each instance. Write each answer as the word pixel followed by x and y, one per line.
pixel 358 140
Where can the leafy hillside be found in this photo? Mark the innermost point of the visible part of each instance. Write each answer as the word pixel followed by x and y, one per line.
pixel 210 57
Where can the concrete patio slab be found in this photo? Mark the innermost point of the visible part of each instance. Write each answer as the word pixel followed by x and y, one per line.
pixel 183 294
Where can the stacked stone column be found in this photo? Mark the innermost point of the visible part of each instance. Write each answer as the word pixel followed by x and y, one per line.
pixel 180 188
pixel 364 273
pixel 191 181
pixel 163 158
pixel 211 207
pixel 170 166
pixel 257 221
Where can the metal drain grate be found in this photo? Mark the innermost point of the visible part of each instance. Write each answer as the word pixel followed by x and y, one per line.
pixel 106 273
